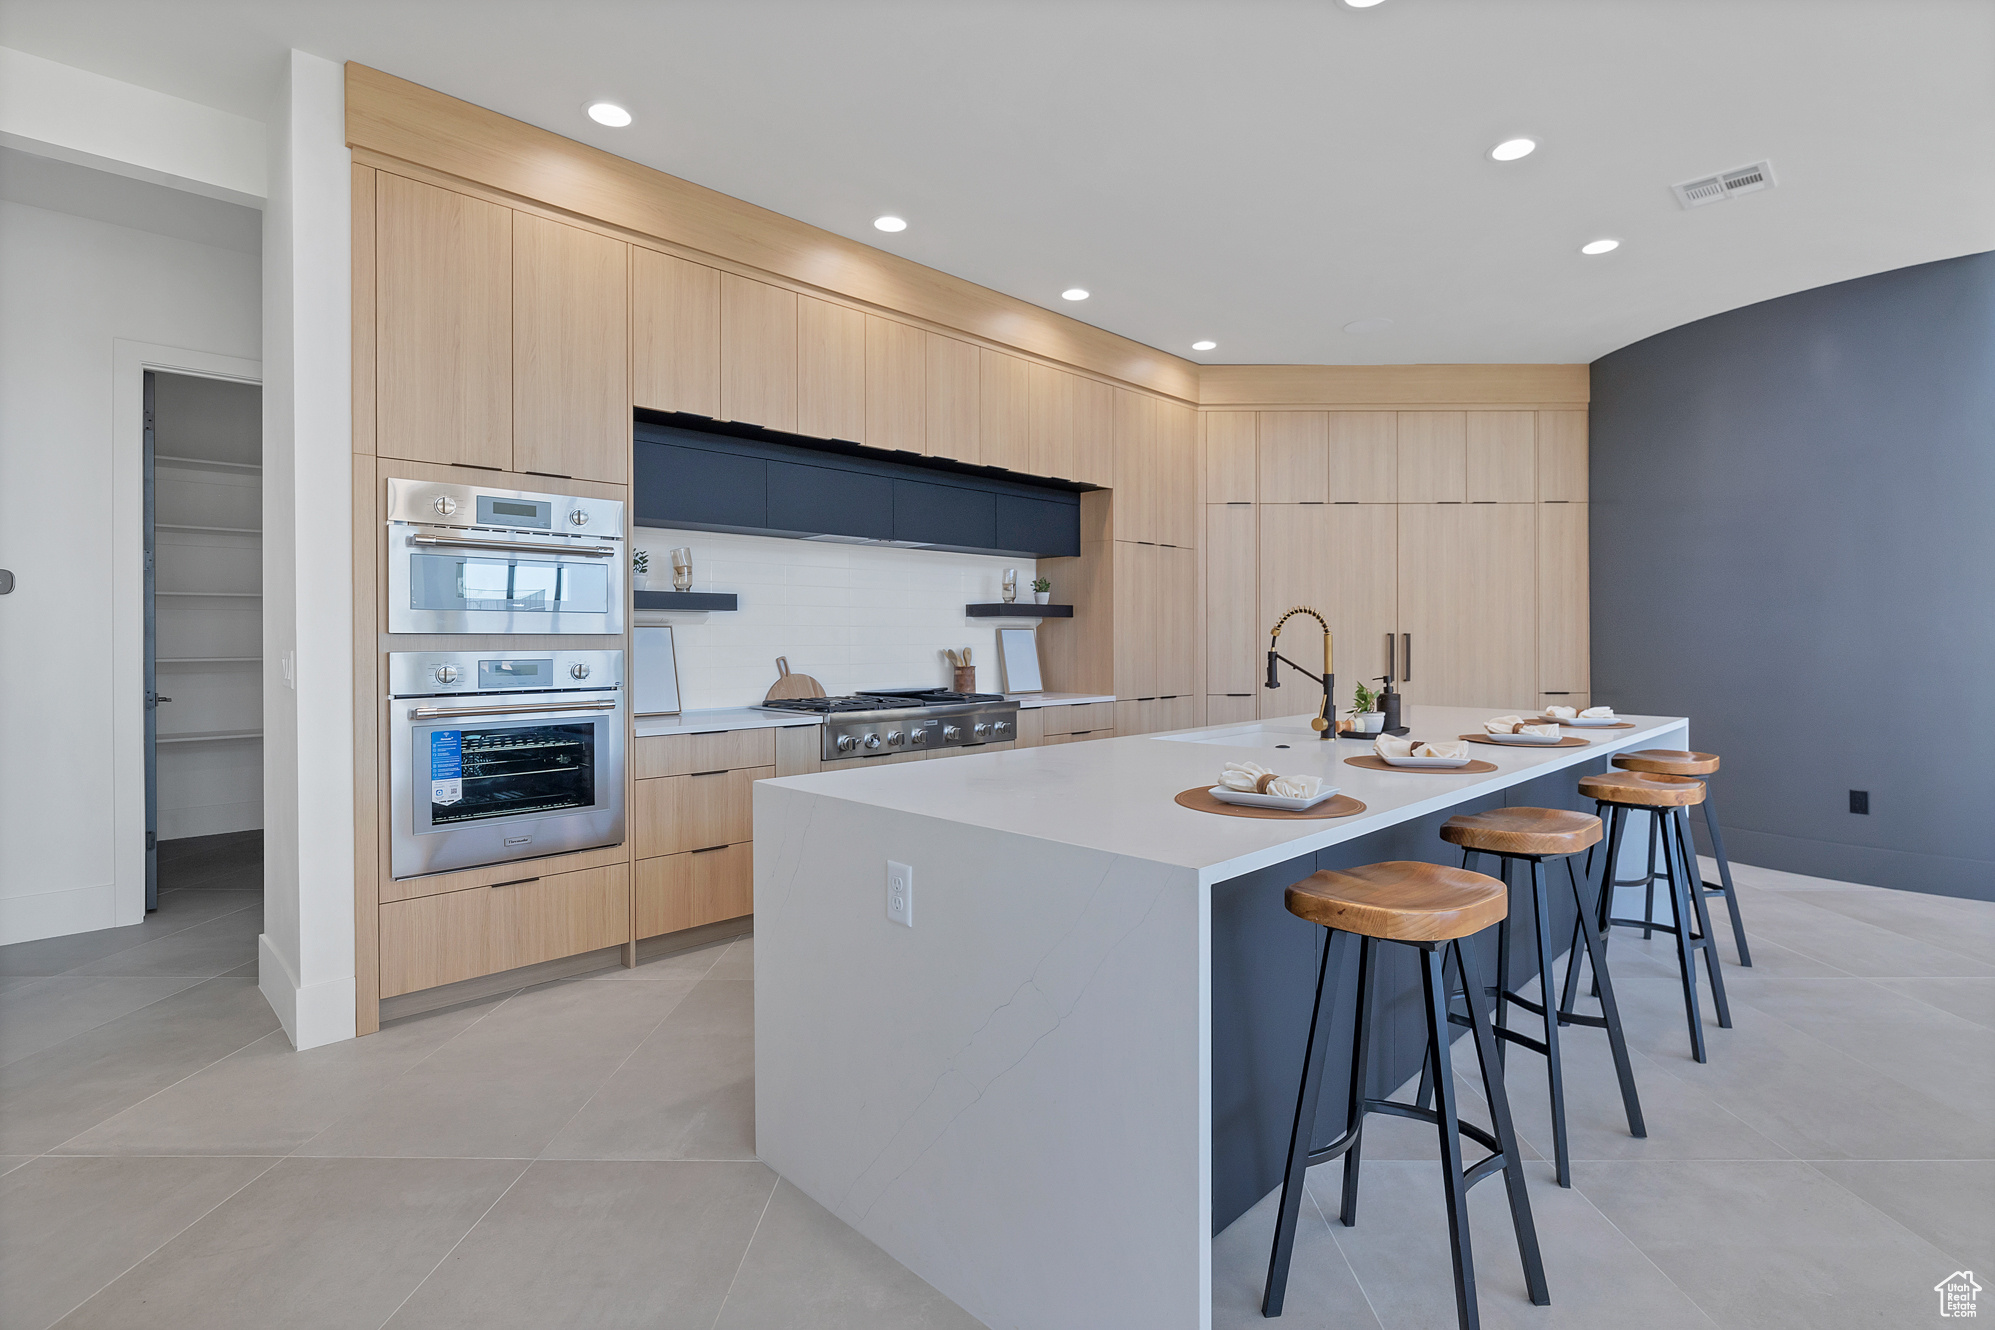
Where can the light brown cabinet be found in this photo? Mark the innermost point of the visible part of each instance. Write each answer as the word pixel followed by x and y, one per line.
pixel 1501 456
pixel 1050 422
pixel 1005 410
pixel 1136 499
pixel 443 325
pixel 1178 519
pixel 674 334
pixel 1342 561
pixel 680 891
pixel 1232 628
pixel 571 320
pixel 758 353
pixel 1564 635
pixel 1295 456
pixel 1230 445
pixel 1137 604
pixel 831 371
pixel 1468 597
pixel 675 814
pixel 896 386
pixel 1562 473
pixel 1229 708
pixel 951 415
pixel 709 750
pixel 431 940
pixel 1177 635
pixel 1094 432
pixel 1433 456
pixel 1364 457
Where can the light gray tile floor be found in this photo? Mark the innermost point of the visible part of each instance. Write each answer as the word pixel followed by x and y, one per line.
pixel 582 1153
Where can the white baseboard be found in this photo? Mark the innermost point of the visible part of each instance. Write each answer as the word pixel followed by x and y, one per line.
pixel 57 913
pixel 311 1016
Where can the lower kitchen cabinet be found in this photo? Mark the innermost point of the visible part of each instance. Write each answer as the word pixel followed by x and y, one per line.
pixel 680 891
pixel 457 935
pixel 1229 708
pixel 674 814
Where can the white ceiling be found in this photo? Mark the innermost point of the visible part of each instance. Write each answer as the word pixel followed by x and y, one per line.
pixel 1260 172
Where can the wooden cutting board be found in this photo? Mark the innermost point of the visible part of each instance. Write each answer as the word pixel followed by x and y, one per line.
pixel 789 685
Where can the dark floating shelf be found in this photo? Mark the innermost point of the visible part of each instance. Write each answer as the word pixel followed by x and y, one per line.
pixel 1000 610
pixel 685 600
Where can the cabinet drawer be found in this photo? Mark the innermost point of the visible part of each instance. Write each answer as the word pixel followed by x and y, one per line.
pixel 720 750
pixel 1079 717
pixel 678 891
pixel 674 814
pixel 1081 737
pixel 462 934
pixel 891 759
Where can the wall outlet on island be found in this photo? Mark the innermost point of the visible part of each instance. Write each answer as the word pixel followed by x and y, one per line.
pixel 1860 801
pixel 900 894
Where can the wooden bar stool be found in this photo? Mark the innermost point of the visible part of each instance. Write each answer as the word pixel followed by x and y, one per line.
pixel 1530 836
pixel 1665 799
pixel 1677 762
pixel 1430 908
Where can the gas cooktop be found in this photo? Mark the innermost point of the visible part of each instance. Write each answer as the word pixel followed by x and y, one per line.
pixel 884 721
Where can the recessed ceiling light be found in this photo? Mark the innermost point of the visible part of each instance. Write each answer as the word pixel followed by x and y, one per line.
pixel 1599 246
pixel 1074 293
pixel 1363 326
pixel 609 113
pixel 889 224
pixel 1204 346
pixel 1511 149
pixel 1361 4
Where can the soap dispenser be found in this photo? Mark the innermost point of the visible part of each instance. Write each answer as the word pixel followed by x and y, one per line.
pixel 1388 702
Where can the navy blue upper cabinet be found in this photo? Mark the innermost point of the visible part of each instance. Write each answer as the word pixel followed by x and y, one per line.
pixel 725 482
pixel 829 501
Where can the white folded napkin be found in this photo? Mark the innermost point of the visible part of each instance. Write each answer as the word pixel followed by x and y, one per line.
pixel 1598 713
pixel 1253 778
pixel 1518 725
pixel 1561 713
pixel 1295 787
pixel 1409 748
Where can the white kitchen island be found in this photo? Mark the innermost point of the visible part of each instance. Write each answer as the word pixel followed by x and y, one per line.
pixel 1046 1094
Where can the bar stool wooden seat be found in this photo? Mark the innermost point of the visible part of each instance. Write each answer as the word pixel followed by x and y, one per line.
pixel 1431 908
pixel 1679 762
pixel 1530 836
pixel 1666 799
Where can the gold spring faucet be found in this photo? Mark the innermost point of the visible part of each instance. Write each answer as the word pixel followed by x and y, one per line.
pixel 1324 724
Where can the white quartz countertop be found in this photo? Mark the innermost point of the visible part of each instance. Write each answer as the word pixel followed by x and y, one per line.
pixel 1116 794
pixel 753 718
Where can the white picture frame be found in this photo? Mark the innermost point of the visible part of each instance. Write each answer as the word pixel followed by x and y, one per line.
pixel 654 671
pixel 1018 661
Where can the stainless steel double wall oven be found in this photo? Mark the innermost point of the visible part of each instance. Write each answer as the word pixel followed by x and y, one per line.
pixel 500 751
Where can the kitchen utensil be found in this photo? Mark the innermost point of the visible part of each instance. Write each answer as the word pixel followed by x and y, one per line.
pixel 791 685
pixel 966 678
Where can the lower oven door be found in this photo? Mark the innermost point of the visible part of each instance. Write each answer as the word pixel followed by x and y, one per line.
pixel 486 783
pixel 442 581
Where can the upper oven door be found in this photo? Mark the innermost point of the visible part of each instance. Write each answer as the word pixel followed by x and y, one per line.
pixel 449 580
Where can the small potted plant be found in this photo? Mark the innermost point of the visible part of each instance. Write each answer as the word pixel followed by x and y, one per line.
pixel 640 569
pixel 1366 717
pixel 1042 590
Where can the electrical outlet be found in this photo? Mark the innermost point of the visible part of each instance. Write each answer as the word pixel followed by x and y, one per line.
pixel 900 894
pixel 1860 801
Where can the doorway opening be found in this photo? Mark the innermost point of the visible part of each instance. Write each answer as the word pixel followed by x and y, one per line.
pixel 203 514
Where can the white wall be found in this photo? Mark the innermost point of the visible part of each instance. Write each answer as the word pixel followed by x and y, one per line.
pixel 71 287
pixel 306 952
pixel 851 616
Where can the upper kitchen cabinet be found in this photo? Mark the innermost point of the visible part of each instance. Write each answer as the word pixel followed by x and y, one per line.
pixel 758 353
pixel 1468 600
pixel 443 325
pixel 1229 456
pixel 1004 390
pixel 831 371
pixel 1049 426
pixel 571 396
pixel 1433 456
pixel 1094 432
pixel 951 419
pixel 1364 456
pixel 1295 457
pixel 674 334
pixel 1136 497
pixel 1178 511
pixel 1502 453
pixel 1562 457
pixel 896 386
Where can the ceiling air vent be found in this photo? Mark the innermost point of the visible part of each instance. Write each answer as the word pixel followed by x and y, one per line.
pixel 1717 188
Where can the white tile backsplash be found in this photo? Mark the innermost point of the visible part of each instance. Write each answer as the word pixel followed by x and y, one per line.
pixel 852 616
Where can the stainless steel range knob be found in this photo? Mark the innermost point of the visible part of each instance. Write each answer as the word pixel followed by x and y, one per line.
pixel 578 518
pixel 980 729
pixel 918 737
pixel 895 738
pixel 444 505
pixel 578 671
pixel 446 673
pixel 872 741
pixel 951 733
pixel 1001 727
pixel 846 743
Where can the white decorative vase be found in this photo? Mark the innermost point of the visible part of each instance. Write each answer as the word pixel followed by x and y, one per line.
pixel 1041 597
pixel 1370 722
pixel 638 580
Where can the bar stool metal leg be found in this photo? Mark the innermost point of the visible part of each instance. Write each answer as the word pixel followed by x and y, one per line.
pixel 1449 1125
pixel 1506 1136
pixel 1686 960
pixel 1693 877
pixel 1299 1134
pixel 1725 876
pixel 1354 1117
pixel 1610 1011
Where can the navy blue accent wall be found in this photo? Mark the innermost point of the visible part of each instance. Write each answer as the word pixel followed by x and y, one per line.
pixel 1793 532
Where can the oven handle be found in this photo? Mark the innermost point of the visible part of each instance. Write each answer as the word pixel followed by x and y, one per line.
pixel 513 546
pixel 432 713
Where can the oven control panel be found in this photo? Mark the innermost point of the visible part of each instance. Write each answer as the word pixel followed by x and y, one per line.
pixel 440 504
pixel 448 673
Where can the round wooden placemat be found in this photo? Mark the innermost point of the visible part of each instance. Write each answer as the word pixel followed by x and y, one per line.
pixel 1200 799
pixel 1569 741
pixel 1373 762
pixel 1617 725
